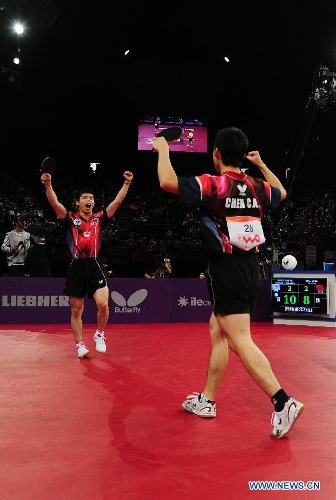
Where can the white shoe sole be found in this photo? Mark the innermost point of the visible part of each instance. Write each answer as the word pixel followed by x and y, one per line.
pixel 84 355
pixel 187 407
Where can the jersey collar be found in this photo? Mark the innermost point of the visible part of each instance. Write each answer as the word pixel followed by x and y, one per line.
pixel 234 175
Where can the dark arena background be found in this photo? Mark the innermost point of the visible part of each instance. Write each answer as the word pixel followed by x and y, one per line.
pixel 82 98
pixel 86 78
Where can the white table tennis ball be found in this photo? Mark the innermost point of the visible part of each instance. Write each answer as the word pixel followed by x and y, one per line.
pixel 289 262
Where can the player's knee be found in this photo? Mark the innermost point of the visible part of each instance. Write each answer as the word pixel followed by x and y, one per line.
pixel 77 310
pixel 103 307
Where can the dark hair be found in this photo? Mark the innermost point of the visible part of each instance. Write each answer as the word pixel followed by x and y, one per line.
pixel 18 218
pixel 82 191
pixel 233 144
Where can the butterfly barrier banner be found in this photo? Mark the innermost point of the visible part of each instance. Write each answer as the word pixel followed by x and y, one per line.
pixel 131 300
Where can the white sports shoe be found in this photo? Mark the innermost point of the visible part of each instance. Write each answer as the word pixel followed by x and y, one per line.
pixel 283 421
pixel 99 338
pixel 82 351
pixel 206 409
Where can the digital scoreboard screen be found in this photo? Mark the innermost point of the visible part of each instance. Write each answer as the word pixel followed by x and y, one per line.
pixel 297 296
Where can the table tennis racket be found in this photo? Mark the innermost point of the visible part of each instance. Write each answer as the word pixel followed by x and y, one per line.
pixel 48 165
pixel 171 134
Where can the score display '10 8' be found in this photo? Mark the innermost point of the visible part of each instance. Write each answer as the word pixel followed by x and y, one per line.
pixel 299 295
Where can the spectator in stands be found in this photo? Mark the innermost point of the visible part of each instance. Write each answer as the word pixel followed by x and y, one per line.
pixel 16 245
pixel 163 270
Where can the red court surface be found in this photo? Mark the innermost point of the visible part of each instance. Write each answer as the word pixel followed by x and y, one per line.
pixel 112 427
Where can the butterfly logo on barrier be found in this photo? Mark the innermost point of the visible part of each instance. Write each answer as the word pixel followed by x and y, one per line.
pixel 134 299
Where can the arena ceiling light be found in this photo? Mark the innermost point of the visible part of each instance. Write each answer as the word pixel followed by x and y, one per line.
pixel 19 30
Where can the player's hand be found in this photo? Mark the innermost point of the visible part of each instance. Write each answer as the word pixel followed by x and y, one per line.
pixel 128 176
pixel 254 158
pixel 160 144
pixel 46 179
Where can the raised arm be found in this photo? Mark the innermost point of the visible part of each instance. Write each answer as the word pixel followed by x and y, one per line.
pixel 271 178
pixel 114 205
pixel 59 209
pixel 167 176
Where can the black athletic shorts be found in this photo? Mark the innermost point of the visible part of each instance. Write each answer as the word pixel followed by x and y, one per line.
pixel 84 276
pixel 232 282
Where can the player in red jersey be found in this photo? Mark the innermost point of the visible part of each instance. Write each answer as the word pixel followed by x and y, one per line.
pixel 232 205
pixel 85 275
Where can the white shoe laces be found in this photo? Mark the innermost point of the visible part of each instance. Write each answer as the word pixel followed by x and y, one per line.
pixel 100 339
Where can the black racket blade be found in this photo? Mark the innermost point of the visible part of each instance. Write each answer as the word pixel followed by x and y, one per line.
pixel 171 134
pixel 48 165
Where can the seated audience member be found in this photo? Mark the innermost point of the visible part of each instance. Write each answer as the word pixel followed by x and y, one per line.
pixel 163 270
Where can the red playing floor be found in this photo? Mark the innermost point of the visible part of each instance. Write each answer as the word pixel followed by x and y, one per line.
pixel 112 426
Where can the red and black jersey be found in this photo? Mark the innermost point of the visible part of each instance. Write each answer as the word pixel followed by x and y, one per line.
pixel 84 237
pixel 228 200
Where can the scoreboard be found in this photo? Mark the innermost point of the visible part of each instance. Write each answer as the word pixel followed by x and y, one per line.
pixel 300 296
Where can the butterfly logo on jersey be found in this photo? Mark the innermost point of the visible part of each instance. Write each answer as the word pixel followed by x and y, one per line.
pixel 242 189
